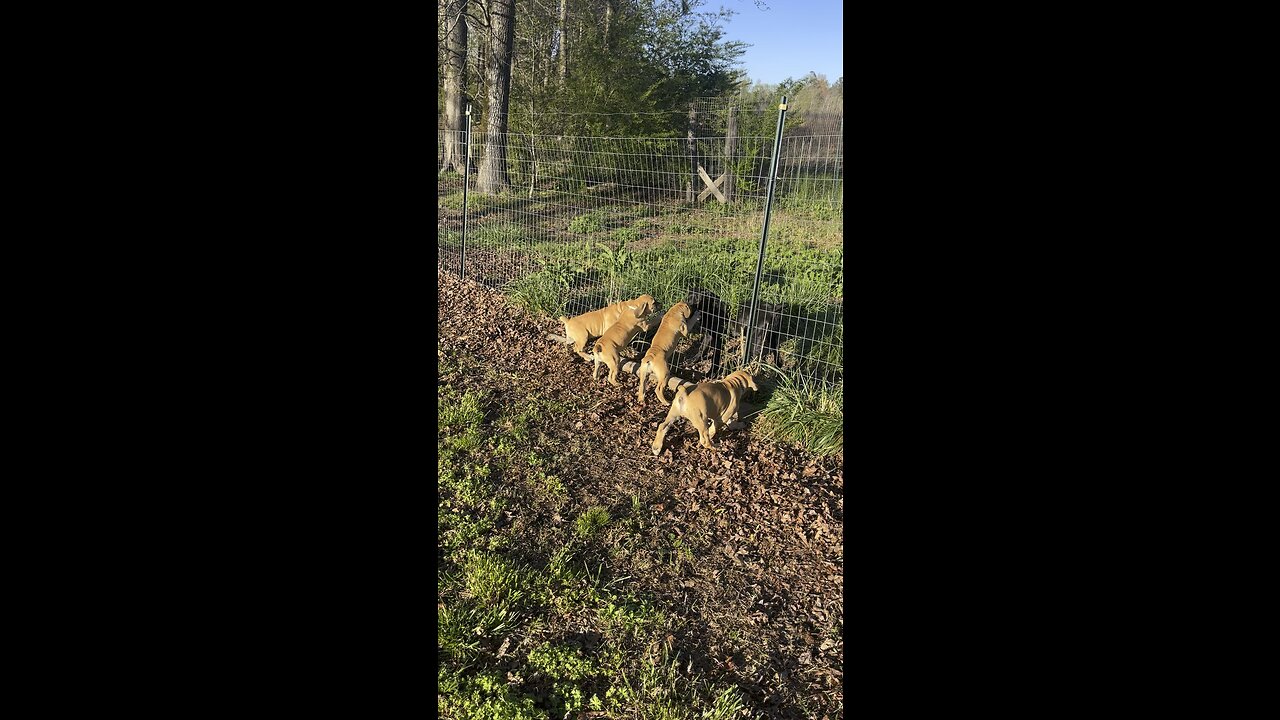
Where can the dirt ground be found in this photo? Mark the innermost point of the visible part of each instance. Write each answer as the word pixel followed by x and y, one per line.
pixel 762 596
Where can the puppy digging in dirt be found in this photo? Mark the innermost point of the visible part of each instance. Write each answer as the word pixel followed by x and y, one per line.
pixel 593 324
pixel 706 407
pixel 655 361
pixel 608 348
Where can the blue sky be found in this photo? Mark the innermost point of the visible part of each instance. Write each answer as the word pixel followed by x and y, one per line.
pixel 789 39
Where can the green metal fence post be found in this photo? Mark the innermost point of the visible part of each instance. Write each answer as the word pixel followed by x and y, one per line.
pixel 764 232
pixel 466 175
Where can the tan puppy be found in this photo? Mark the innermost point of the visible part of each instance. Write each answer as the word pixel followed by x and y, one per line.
pixel 594 324
pixel 608 348
pixel 706 406
pixel 655 361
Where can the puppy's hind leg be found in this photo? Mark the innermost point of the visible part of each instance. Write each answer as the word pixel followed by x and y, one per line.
pixel 727 416
pixel 699 423
pixel 661 373
pixel 579 343
pixel 643 372
pixel 612 361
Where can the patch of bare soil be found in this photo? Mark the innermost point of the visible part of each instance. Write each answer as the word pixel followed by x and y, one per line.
pixel 761 596
pixel 486 266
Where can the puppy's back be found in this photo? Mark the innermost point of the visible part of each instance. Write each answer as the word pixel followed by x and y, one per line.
pixel 620 332
pixel 596 322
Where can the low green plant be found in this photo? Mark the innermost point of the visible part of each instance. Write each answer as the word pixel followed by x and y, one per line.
pixel 562 663
pixel 483 697
pixel 520 420
pixel 624 235
pixel 461 530
pixel 586 223
pixel 550 487
pixel 562 271
pixel 615 261
pixel 683 228
pixel 467 484
pixel 623 620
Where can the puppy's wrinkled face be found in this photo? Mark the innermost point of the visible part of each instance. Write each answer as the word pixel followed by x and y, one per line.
pixel 682 309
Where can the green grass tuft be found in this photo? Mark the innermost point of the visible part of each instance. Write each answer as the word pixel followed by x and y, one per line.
pixel 804 411
pixel 460 412
pixel 591 521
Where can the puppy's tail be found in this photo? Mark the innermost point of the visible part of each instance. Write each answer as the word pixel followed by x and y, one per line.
pixel 596 351
pixel 563 319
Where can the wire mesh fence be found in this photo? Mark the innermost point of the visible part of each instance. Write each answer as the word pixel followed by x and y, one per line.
pixel 578 222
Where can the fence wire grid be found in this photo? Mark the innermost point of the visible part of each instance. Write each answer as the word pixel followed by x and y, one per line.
pixel 579 222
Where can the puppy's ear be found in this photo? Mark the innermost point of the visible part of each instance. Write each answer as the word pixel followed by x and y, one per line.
pixel 684 329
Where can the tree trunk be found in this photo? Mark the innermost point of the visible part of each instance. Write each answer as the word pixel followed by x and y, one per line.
pixel 455 80
pixel 562 29
pixel 492 177
pixel 608 20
